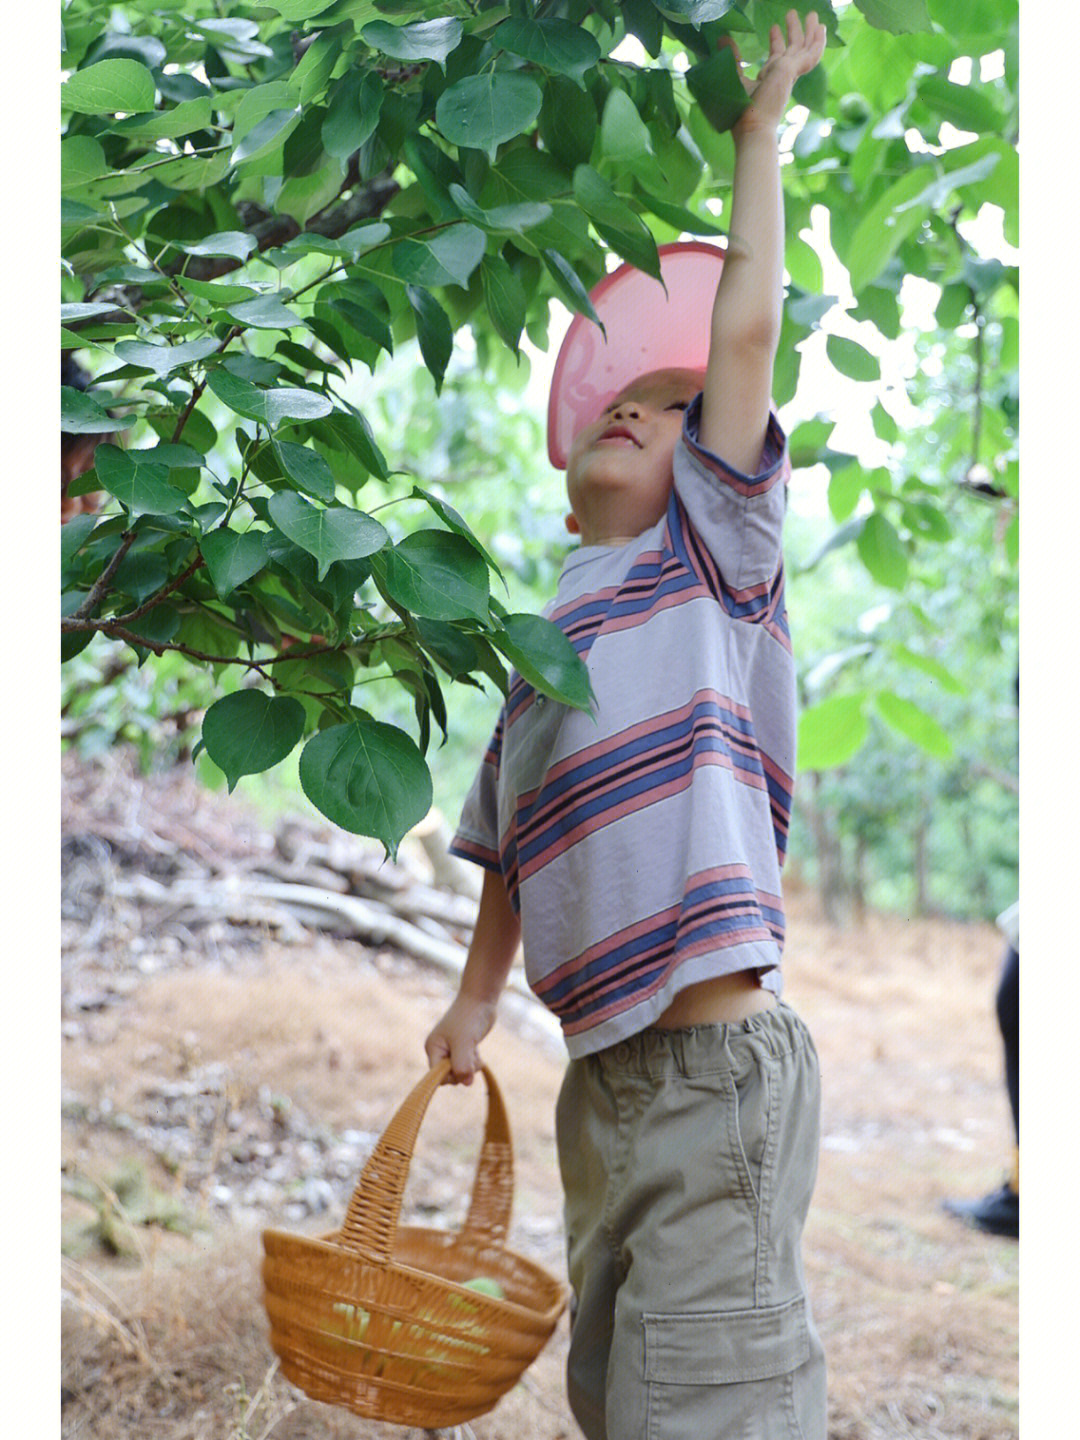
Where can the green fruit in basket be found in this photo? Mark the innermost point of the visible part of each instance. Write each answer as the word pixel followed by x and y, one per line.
pixel 353 1321
pixel 485 1285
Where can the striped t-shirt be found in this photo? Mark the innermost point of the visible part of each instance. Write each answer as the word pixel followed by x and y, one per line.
pixel 642 844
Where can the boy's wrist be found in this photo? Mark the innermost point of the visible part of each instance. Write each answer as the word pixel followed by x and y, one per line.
pixel 752 132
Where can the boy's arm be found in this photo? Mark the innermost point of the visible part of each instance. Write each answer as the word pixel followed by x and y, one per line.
pixel 746 317
pixel 472 1014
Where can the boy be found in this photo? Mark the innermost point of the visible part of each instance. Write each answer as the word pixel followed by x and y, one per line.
pixel 636 853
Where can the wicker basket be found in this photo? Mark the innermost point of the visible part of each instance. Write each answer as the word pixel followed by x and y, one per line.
pixel 379 1318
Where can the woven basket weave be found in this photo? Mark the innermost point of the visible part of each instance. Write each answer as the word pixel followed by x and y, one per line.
pixel 377 1317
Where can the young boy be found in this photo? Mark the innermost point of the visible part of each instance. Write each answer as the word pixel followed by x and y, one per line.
pixel 636 854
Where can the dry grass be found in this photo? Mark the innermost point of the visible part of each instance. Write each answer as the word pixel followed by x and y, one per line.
pixel 919 1316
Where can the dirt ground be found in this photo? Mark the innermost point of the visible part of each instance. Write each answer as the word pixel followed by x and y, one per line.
pixel 305 1049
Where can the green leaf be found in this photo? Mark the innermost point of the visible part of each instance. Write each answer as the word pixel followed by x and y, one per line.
pixel 852 359
pixel 448 258
pixel 505 298
pixel 80 414
pixel 312 74
pixel 898 16
pixel 348 430
pixel 545 659
pixel 436 575
pixel 965 106
pixel 622 228
pixel 248 732
pixel 882 551
pixel 479 112
pixel 929 666
pixel 107 87
pixel 424 40
pixel 271 406
pixel 694 12
pixel 571 288
pixel 82 160
pixel 353 113
pixel 306 468
pixel 624 136
pixel 169 124
pixel 680 219
pixel 553 44
pixel 434 332
pixel 139 482
pixel 885 427
pixel 303 196
pixel 845 487
pixel 717 89
pixel 74 534
pixel 86 310
pixel 568 125
pixel 140 574
pixel 915 724
pixel 334 533
pixel 235 244
pixel 1012 540
pixel 157 627
pixel 831 731
pixel 233 558
pixel 369 778
pixel 219 292
pixel 514 219
pixel 883 229
pixel 453 521
pixel 939 190
pixel 270 132
pixel 265 312
pixel 164 359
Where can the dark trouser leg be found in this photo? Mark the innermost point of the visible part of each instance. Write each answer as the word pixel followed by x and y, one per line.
pixel 1008 1014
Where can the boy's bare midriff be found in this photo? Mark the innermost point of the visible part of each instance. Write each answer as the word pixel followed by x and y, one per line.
pixel 723 1001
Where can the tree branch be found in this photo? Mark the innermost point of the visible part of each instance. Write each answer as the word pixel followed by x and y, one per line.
pixel 101 584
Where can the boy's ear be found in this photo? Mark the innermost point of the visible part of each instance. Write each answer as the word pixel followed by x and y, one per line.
pixel 572 524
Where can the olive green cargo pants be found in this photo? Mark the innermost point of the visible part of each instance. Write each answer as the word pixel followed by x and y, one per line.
pixel 688 1159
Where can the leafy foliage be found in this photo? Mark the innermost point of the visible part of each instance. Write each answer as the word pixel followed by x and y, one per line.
pixel 257 208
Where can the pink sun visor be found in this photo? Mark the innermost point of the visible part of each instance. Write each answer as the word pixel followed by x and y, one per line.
pixel 646 330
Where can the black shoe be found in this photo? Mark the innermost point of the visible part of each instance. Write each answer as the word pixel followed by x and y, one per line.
pixel 995 1214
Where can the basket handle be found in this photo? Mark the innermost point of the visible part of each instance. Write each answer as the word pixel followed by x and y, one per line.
pixel 372 1218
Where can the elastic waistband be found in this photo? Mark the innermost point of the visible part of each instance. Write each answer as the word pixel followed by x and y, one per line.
pixel 706 1049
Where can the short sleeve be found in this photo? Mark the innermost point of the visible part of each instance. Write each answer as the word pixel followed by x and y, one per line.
pixel 737 518
pixel 477 835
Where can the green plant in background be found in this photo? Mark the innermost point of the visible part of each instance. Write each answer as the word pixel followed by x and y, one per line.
pixel 262 209
pixel 120 1203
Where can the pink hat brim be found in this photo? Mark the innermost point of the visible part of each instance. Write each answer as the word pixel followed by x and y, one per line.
pixel 646 330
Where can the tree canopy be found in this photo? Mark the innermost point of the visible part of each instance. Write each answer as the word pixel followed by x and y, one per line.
pixel 263 204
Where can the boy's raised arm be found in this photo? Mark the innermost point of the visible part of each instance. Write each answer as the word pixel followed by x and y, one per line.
pixel 747 309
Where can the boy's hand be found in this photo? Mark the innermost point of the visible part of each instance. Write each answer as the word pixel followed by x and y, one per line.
pixel 457 1037
pixel 771 91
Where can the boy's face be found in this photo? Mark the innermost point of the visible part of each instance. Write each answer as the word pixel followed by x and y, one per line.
pixel 619 470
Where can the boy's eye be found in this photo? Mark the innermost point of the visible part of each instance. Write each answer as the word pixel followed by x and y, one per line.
pixel 680 405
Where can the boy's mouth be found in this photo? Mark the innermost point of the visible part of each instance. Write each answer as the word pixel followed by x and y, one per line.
pixel 620 432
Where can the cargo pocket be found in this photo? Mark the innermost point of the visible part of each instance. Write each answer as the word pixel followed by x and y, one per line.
pixel 727 1373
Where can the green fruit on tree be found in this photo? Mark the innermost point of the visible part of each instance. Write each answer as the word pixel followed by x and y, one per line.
pixel 854 109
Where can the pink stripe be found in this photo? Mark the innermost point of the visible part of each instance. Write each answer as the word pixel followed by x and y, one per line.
pixel 475 851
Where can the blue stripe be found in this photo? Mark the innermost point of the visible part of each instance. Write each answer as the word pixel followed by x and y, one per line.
pixel 609 760
pixel 638 979
pixel 651 780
